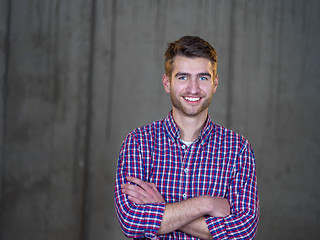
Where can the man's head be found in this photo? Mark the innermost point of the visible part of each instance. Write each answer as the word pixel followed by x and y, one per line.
pixel 189 46
pixel 191 76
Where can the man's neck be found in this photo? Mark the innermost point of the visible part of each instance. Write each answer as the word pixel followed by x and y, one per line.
pixel 190 127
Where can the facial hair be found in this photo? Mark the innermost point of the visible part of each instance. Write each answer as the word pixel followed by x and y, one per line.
pixel 190 111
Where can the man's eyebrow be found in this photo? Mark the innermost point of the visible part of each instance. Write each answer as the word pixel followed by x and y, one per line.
pixel 204 74
pixel 182 74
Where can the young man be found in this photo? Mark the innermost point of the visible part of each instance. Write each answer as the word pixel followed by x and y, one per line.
pixel 185 177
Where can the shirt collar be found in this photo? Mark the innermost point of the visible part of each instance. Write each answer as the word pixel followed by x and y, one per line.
pixel 173 130
pixel 171 127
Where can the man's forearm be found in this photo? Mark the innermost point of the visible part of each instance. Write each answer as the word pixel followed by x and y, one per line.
pixel 197 228
pixel 186 216
pixel 178 215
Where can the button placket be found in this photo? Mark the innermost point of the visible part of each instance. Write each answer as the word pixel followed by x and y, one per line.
pixel 185 170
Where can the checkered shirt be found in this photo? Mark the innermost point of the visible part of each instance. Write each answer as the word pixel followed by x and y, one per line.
pixel 219 163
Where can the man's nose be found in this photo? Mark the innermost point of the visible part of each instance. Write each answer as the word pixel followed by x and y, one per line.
pixel 193 86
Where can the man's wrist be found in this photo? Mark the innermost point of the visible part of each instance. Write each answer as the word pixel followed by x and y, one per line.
pixel 207 203
pixel 216 206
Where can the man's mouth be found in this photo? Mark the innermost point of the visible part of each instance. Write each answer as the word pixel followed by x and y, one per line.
pixel 192 99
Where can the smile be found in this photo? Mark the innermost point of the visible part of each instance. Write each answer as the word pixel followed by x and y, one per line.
pixel 192 99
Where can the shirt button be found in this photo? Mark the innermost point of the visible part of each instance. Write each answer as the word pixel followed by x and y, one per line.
pixel 183 146
pixel 184 196
pixel 186 170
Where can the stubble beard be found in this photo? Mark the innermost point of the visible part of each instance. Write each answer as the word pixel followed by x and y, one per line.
pixel 190 111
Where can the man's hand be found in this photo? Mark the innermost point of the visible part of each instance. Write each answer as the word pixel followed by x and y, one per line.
pixel 142 193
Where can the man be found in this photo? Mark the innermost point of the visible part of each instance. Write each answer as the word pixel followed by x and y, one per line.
pixel 185 177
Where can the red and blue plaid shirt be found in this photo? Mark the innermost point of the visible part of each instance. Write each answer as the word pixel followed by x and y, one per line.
pixel 219 163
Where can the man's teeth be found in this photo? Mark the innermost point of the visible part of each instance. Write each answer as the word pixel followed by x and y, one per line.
pixel 192 99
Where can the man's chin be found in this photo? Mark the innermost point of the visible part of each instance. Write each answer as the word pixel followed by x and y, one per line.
pixel 192 113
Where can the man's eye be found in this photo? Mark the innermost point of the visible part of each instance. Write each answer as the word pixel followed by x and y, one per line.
pixel 182 78
pixel 203 78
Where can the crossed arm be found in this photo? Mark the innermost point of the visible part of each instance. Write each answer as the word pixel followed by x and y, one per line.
pixel 186 216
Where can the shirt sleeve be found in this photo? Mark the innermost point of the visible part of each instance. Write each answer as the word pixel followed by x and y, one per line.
pixel 243 199
pixel 136 220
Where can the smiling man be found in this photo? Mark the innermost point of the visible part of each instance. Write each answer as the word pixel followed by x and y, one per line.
pixel 185 177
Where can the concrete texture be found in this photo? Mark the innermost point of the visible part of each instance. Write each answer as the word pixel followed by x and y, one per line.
pixel 77 76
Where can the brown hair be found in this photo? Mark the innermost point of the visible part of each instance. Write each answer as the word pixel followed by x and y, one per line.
pixel 190 46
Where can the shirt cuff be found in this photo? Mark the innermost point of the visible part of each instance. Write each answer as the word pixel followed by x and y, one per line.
pixel 154 214
pixel 216 227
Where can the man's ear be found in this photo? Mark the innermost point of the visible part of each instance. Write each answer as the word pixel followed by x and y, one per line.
pixel 215 84
pixel 166 83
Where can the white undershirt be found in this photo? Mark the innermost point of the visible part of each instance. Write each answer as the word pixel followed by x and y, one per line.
pixel 186 143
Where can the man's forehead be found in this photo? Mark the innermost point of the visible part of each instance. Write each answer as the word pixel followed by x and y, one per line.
pixel 192 65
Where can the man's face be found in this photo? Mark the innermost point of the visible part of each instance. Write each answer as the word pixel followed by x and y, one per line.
pixel 191 86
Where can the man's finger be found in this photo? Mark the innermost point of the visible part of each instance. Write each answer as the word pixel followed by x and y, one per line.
pixel 135 200
pixel 133 190
pixel 156 192
pixel 151 192
pixel 144 185
pixel 139 182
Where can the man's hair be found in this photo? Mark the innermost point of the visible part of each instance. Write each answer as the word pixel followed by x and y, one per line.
pixel 190 46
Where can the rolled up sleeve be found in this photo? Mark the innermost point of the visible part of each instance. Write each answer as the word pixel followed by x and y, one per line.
pixel 243 198
pixel 136 220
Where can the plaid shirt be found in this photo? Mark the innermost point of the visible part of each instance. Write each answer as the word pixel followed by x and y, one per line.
pixel 219 163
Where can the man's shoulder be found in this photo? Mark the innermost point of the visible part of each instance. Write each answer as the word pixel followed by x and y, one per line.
pixel 148 130
pixel 226 134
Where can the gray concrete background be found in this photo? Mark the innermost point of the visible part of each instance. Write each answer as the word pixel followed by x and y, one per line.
pixel 76 76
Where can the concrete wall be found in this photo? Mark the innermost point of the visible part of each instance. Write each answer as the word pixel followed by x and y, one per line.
pixel 76 76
